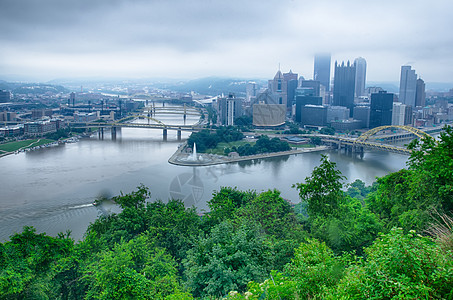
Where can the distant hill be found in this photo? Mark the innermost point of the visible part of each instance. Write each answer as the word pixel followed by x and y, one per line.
pixel 31 88
pixel 214 86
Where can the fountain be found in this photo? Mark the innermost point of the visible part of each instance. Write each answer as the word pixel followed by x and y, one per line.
pixel 194 153
pixel 194 158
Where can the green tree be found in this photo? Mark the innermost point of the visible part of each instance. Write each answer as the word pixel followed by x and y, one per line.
pixel 133 270
pixel 432 163
pixel 26 263
pixel 226 202
pixel 399 266
pixel 322 191
pixel 227 259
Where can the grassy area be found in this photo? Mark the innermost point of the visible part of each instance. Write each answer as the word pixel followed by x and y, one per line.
pixel 257 132
pixel 14 146
pixel 221 146
pixel 302 146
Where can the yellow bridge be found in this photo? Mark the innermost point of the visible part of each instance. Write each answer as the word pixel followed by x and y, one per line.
pixel 363 141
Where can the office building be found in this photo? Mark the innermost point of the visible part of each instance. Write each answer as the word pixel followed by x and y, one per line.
pixel 72 99
pixel 344 85
pixel 301 101
pixel 337 113
pixel 228 108
pixel 408 116
pixel 420 94
pixel 314 115
pixel 279 87
pixel 8 116
pixel 381 109
pixel 234 109
pixel 314 84
pixel 398 114
pixel 251 90
pixel 362 113
pixel 291 92
pixel 322 70
pixel 408 84
pixel 40 128
pixel 5 96
pixel 360 76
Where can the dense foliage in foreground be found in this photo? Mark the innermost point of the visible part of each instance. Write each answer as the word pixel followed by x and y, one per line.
pixel 344 242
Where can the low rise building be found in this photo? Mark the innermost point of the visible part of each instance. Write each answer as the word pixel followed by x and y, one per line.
pixel 40 128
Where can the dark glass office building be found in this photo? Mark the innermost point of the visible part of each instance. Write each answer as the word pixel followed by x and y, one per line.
pixel 344 86
pixel 301 101
pixel 381 108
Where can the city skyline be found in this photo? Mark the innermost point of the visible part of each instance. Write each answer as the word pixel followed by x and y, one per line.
pixel 138 39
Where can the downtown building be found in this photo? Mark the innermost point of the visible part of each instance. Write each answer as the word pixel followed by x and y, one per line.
pixel 344 85
pixel 408 86
pixel 321 71
pixel 381 109
pixel 360 77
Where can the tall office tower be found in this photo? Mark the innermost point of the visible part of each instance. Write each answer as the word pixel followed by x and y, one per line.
pixel 322 70
pixel 251 90
pixel 344 86
pixel 381 109
pixel 420 95
pixel 291 86
pixel 278 86
pixel 72 98
pixel 399 113
pixel 362 113
pixel 408 84
pixel 5 96
pixel 360 76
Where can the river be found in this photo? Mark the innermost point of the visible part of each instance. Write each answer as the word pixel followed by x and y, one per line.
pixel 52 189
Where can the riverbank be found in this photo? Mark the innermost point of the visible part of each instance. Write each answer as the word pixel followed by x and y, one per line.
pixel 37 144
pixel 180 158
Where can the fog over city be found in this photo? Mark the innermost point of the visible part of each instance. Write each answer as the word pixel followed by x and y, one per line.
pixel 48 39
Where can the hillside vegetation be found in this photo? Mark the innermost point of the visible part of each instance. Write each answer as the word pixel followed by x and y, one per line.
pixel 392 240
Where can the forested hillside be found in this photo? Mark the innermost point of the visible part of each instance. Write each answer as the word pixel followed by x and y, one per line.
pixel 391 240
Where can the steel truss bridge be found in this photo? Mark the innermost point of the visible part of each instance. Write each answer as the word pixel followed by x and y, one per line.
pixel 355 145
pixel 147 114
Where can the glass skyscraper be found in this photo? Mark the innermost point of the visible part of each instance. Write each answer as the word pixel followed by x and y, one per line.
pixel 408 85
pixel 322 70
pixel 344 85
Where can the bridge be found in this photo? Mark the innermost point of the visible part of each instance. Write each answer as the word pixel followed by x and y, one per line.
pixel 355 145
pixel 157 124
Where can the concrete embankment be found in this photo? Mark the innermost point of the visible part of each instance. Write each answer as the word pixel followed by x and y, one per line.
pixel 181 159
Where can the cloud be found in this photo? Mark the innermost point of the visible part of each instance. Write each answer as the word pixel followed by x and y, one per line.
pixel 222 37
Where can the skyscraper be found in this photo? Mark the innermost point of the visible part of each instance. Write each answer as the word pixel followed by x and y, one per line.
pixel 291 86
pixel 360 76
pixel 381 109
pixel 344 85
pixel 322 70
pixel 420 95
pixel 278 86
pixel 408 83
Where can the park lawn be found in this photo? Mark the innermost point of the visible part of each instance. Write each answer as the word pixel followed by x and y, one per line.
pixel 258 132
pixel 14 146
pixel 221 146
pixel 302 146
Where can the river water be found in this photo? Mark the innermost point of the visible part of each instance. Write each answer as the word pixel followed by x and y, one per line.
pixel 52 189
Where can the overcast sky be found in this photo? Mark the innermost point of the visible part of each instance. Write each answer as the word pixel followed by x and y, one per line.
pixel 47 39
